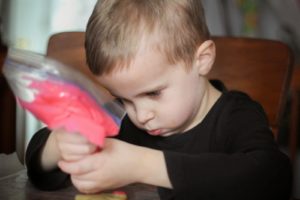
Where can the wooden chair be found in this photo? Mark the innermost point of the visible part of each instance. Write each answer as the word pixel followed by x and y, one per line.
pixel 295 108
pixel 261 68
pixel 68 48
pixel 8 111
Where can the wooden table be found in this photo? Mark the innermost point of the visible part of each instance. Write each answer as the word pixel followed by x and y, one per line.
pixel 17 187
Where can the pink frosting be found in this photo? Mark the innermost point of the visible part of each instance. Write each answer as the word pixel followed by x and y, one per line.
pixel 63 105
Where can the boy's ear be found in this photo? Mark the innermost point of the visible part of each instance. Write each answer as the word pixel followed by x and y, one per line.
pixel 205 57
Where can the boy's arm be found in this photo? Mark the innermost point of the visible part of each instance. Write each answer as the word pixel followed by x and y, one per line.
pixel 152 168
pixel 50 154
pixel 258 174
pixel 243 160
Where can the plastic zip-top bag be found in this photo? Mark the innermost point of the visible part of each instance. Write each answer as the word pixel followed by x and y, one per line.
pixel 61 97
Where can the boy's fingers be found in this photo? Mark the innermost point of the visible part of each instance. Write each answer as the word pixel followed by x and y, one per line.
pixel 84 186
pixel 76 167
pixel 71 157
pixel 78 149
pixel 71 137
pixel 82 166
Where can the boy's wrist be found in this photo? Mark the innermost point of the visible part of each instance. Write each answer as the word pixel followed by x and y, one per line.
pixel 152 168
pixel 50 154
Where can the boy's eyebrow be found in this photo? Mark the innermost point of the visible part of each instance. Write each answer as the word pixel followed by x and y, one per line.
pixel 114 95
pixel 142 93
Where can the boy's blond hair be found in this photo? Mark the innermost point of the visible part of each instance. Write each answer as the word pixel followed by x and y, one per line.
pixel 117 27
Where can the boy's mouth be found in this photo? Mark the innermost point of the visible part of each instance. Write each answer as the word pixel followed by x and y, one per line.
pixel 155 132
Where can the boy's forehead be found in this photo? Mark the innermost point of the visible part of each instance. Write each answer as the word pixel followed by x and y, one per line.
pixel 146 69
pixel 134 73
pixel 141 63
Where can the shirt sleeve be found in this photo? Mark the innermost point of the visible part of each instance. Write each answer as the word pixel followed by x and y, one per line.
pixel 44 180
pixel 244 162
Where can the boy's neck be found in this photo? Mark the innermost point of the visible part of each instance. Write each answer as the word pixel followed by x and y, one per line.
pixel 209 99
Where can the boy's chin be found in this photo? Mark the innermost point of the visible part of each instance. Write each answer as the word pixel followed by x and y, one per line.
pixel 160 133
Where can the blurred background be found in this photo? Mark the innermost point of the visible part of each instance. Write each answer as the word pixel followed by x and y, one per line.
pixel 28 24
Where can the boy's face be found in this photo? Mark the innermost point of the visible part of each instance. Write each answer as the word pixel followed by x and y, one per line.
pixel 159 98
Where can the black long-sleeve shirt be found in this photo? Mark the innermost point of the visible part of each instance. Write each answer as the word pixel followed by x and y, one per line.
pixel 230 155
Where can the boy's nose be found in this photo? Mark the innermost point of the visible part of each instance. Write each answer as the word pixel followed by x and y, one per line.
pixel 143 116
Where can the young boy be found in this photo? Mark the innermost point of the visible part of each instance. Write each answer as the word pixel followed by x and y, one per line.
pixel 180 133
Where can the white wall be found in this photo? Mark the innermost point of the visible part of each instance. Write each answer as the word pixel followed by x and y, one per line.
pixel 27 24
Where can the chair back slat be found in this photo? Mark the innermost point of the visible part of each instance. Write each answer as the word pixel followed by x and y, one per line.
pixel 261 68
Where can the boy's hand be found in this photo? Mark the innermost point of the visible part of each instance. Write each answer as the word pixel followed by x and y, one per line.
pixel 116 165
pixel 72 146
pixel 62 145
pixel 110 168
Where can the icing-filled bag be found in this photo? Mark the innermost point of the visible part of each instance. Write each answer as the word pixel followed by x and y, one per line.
pixel 61 97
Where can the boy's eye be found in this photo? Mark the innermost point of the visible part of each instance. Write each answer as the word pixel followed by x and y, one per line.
pixel 119 100
pixel 154 93
pixel 123 101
